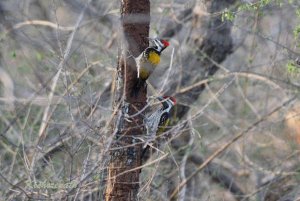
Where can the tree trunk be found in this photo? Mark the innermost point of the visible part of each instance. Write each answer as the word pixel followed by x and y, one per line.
pixel 123 174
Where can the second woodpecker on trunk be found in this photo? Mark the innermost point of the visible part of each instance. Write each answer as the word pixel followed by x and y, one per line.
pixel 157 118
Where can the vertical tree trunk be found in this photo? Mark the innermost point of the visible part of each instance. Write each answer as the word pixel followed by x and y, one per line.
pixel 123 181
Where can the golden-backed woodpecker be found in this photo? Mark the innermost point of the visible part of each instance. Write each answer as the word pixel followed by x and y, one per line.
pixel 147 61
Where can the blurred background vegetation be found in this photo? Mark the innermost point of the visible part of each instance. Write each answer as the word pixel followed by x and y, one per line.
pixel 57 63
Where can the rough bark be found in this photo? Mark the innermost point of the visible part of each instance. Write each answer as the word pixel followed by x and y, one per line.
pixel 123 181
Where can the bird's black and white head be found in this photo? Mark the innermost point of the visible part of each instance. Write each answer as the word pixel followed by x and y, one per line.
pixel 167 101
pixel 159 45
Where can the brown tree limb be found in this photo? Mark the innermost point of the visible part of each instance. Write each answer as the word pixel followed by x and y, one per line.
pixel 123 171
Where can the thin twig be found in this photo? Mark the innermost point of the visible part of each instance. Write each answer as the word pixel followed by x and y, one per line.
pixel 184 160
pixel 65 56
pixel 240 74
pixel 168 73
pixel 224 147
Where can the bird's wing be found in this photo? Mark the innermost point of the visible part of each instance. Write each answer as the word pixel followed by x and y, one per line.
pixel 152 123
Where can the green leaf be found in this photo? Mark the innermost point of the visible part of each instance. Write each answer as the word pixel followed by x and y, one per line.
pixel 296 31
pixel 298 12
pixel 227 15
pixel 13 54
pixel 292 68
pixel 39 56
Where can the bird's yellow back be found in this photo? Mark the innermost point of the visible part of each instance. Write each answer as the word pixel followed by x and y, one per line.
pixel 148 64
pixel 154 58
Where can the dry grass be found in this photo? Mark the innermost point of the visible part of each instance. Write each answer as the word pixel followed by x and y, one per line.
pixel 58 62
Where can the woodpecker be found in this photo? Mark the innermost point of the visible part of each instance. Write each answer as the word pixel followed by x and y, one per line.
pixel 157 118
pixel 147 61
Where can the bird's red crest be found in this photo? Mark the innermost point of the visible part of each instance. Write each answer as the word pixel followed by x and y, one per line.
pixel 171 98
pixel 166 43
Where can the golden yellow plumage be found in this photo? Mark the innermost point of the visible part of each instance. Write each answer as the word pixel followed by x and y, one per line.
pixel 147 61
pixel 147 65
pixel 163 127
pixel 154 58
pixel 144 73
